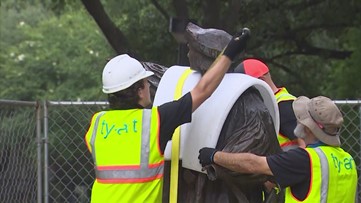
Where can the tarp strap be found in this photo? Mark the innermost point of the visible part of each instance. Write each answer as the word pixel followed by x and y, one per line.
pixel 175 143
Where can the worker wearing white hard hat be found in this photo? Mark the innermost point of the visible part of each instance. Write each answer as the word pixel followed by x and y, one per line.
pixel 127 141
pixel 121 72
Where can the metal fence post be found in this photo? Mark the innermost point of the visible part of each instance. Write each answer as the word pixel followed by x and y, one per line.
pixel 45 139
pixel 39 144
pixel 359 178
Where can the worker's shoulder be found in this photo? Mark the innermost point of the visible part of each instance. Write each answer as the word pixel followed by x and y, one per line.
pixel 294 155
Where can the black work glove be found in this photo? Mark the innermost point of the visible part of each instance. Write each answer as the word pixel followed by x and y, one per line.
pixel 237 43
pixel 206 155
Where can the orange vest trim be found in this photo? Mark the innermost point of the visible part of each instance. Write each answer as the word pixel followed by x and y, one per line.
pixel 289 143
pixel 158 126
pixel 129 167
pixel 156 165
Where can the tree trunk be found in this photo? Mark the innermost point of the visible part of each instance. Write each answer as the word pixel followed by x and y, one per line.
pixel 115 37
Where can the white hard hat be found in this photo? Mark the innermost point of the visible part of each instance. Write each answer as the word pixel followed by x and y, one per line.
pixel 121 72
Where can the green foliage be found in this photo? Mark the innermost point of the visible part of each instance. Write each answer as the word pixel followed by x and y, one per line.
pixel 345 78
pixel 146 30
pixel 55 50
pixel 296 39
pixel 51 57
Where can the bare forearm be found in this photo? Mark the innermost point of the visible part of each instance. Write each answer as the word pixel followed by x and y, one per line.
pixel 243 162
pixel 213 77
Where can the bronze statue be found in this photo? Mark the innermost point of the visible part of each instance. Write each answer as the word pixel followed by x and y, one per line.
pixel 248 128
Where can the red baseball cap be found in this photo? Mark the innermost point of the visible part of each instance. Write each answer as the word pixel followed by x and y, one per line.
pixel 252 67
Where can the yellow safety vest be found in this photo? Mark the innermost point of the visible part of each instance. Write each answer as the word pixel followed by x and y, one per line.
pixel 285 142
pixel 126 154
pixel 333 177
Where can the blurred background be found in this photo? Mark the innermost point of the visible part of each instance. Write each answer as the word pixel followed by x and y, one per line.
pixel 56 49
pixel 52 53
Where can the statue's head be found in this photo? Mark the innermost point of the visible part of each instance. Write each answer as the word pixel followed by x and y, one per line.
pixel 204 45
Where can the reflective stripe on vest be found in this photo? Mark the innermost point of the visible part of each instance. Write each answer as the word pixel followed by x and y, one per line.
pixel 325 174
pixel 129 174
pixel 92 138
pixel 285 143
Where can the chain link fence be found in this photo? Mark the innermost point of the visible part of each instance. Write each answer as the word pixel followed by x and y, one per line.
pixel 20 169
pixel 44 157
pixel 69 163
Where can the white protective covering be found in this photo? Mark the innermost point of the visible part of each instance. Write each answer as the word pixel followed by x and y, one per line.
pixel 208 119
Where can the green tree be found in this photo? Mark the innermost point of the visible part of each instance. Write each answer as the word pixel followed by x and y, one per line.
pixel 56 57
pixel 54 50
pixel 301 41
pixel 346 75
